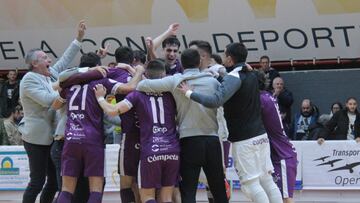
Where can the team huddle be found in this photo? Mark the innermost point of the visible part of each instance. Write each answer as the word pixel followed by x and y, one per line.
pixel 178 117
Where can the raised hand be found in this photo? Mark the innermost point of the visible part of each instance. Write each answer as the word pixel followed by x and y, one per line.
pixel 149 43
pixel 102 52
pixel 81 30
pixel 173 28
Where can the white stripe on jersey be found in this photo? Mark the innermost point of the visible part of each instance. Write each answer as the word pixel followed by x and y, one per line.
pixel 128 103
pixel 121 160
pixel 115 87
pixel 284 179
pixel 139 175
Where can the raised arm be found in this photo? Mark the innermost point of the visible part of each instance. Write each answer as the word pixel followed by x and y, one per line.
pixel 151 55
pixel 70 52
pixel 169 32
pixel 109 109
pixel 231 83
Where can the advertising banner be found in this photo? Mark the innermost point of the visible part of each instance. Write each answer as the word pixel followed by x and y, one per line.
pixel 14 168
pixel 333 165
pixel 281 29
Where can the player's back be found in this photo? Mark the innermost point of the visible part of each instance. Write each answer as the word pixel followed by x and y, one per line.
pixel 157 113
pixel 281 148
pixel 85 116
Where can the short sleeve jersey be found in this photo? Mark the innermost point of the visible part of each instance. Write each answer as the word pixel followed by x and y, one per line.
pixel 85 116
pixel 157 112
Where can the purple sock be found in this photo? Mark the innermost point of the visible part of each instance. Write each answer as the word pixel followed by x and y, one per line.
pixel 151 201
pixel 95 197
pixel 127 195
pixel 64 197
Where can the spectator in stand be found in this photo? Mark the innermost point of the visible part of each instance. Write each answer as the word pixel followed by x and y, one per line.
pixel 335 107
pixel 284 97
pixel 318 129
pixel 270 72
pixel 345 124
pixel 308 114
pixel 9 93
pixel 3 135
pixel 11 126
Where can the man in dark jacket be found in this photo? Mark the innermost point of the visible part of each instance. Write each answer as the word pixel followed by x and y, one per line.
pixel 345 124
pixel 9 93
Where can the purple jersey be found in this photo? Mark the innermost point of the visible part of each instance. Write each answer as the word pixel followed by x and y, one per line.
pixel 129 120
pixel 85 116
pixel 281 148
pixel 175 68
pixel 158 133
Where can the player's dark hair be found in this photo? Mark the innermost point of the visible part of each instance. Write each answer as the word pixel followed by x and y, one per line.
pixel 190 58
pixel 203 45
pixel 172 40
pixel 124 55
pixel 90 60
pixel 237 51
pixel 351 98
pixel 155 69
pixel 139 56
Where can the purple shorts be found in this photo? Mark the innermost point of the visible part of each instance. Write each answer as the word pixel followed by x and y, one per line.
pixel 129 155
pixel 285 176
pixel 77 159
pixel 156 171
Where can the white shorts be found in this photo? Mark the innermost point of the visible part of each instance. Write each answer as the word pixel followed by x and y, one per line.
pixel 252 157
